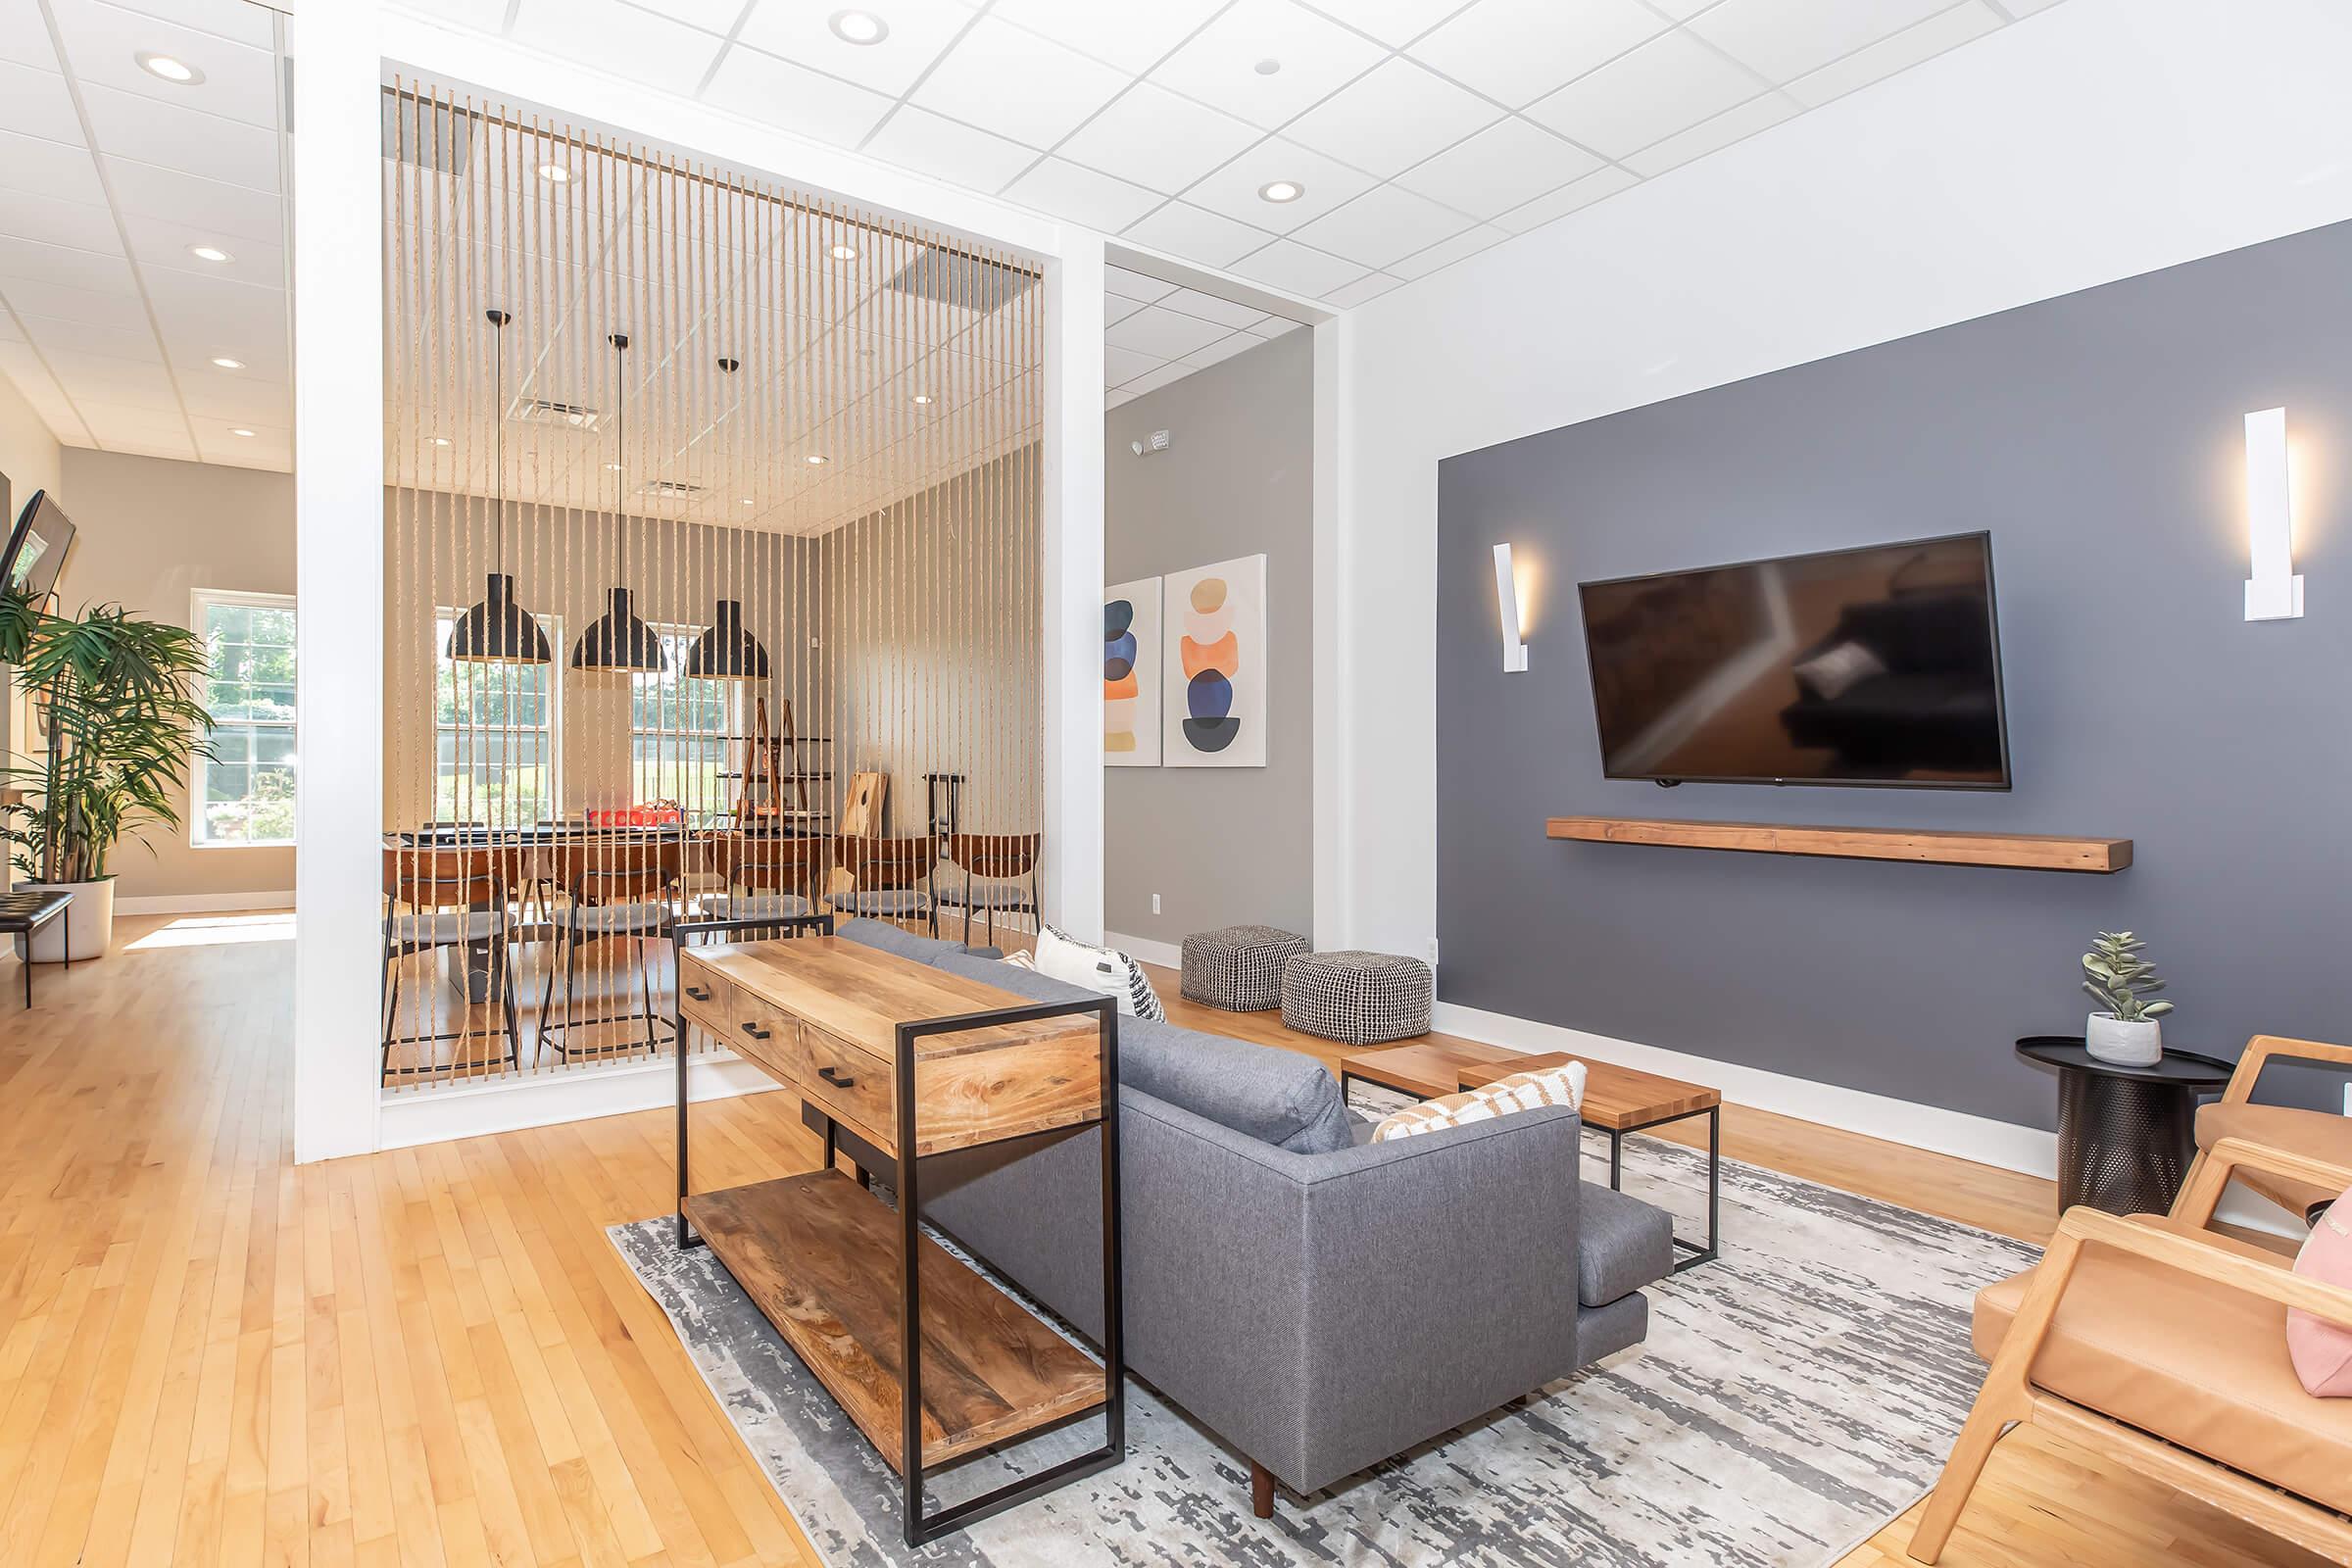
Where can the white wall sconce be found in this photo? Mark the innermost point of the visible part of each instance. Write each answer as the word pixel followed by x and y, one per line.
pixel 1506 599
pixel 2275 592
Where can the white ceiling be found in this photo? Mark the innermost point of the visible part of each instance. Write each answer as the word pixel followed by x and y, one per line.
pixel 1155 333
pixel 1423 130
pixel 108 175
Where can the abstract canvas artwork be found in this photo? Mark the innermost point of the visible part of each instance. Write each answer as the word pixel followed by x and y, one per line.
pixel 1215 675
pixel 1131 673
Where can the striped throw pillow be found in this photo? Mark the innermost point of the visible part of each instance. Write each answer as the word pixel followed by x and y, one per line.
pixel 1522 1090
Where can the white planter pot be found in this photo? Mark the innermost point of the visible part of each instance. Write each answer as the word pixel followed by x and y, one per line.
pixel 91 914
pixel 2137 1044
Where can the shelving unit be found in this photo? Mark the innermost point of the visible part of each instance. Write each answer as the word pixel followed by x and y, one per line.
pixel 2028 852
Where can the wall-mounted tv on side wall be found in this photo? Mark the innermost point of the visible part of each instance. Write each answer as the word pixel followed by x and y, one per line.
pixel 1873 666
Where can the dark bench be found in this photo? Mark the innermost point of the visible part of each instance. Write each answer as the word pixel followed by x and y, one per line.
pixel 23 915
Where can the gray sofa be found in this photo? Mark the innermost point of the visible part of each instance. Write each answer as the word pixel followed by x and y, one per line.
pixel 1319 1302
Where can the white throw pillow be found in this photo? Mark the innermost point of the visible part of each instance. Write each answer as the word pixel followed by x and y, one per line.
pixel 1523 1091
pixel 1103 969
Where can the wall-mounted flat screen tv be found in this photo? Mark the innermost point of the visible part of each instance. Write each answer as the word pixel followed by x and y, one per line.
pixel 1880 665
pixel 35 554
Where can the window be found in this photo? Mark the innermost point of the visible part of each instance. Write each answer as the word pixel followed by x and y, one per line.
pixel 495 730
pixel 678 731
pixel 244 793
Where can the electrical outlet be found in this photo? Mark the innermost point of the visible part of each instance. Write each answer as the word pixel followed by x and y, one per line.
pixel 1154 903
pixel 1433 952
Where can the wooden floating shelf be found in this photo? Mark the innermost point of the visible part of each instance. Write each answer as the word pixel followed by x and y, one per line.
pixel 2028 852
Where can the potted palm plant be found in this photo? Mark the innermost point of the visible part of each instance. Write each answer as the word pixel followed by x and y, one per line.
pixel 118 695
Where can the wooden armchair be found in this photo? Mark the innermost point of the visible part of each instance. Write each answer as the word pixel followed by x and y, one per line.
pixel 2314 1134
pixel 2162 1346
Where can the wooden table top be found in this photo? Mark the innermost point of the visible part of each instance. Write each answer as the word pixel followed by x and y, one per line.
pixel 1615 1097
pixel 863 994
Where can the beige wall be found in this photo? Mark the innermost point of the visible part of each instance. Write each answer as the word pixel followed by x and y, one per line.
pixel 150 532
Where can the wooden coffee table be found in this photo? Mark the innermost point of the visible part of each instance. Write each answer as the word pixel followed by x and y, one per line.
pixel 1617 1100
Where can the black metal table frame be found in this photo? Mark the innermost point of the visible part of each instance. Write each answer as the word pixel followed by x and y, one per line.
pixel 919 1527
pixel 1616 1136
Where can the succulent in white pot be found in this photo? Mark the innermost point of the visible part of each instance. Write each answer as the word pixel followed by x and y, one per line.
pixel 2125 1033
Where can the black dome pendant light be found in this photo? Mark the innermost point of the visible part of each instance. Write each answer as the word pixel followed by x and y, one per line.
pixel 727 652
pixel 498 630
pixel 617 640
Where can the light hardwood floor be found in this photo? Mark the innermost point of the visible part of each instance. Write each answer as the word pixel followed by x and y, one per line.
pixel 433 1356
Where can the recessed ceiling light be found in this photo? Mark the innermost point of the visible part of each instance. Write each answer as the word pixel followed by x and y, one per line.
pixel 210 253
pixel 923 400
pixel 858 26
pixel 1267 66
pixel 747 501
pixel 240 430
pixel 179 73
pixel 815 458
pixel 555 174
pixel 845 253
pixel 611 468
pixel 1281 190
pixel 438 440
pixel 228 364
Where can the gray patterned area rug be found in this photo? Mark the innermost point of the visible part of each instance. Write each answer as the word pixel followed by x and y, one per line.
pixel 1793 1398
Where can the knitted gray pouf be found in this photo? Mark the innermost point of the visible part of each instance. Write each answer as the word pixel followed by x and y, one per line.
pixel 1357 998
pixel 1239 968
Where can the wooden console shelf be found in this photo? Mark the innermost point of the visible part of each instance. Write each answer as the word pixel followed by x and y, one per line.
pixel 2029 852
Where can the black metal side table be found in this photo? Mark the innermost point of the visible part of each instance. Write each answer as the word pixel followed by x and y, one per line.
pixel 2126 1135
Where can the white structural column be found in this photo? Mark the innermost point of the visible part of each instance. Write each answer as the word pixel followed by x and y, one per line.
pixel 1071 580
pixel 1332 887
pixel 338 532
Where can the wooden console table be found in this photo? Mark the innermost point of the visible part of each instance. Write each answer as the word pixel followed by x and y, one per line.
pixel 914 1062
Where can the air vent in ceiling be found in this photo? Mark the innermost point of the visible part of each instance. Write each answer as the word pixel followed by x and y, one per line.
pixel 547 411
pixel 671 487
pixel 967 282
pixel 435 137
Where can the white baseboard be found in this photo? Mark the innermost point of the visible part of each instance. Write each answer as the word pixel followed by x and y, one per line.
pixel 1899 1121
pixel 412 1116
pixel 1167 954
pixel 204 903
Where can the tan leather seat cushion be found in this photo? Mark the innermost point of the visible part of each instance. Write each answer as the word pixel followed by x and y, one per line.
pixel 2195 1363
pixel 2311 1133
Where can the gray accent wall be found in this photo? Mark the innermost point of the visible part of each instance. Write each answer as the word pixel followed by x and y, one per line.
pixel 1221 846
pixel 2099 437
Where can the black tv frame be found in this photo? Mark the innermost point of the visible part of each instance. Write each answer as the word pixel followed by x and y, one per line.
pixel 2000 694
pixel 40 503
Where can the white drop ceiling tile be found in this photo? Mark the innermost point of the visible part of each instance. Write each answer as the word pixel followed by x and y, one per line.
pixel 1363 289
pixel 133 421
pixel 147 191
pixel 1291 266
pixel 2026 7
pixel 635 45
pixel 1017 83
pixel 1670 83
pixel 79 225
pixel 1604 182
pixel 1069 191
pixel 1153 137
pixel 1392 118
pixel 103 43
pixel 1499 168
pixel 1786 38
pixel 180 450
pixel 1447 251
pixel 25 35
pixel 1115 397
pixel 1196 235
pixel 129 337
pixel 1116 309
pixel 801 30
pixel 930 144
pixel 1518 50
pixel 1131 37
pixel 126 125
pixel 242 402
pixel 240 20
pixel 1219 64
pixel 1133 285
pixel 1946 29
pixel 158 242
pixel 9 332
pixel 49 169
pixel 96 307
pixel 1210 308
pixel 35 103
pixel 29 261
pixel 1384 223
pixel 1275 327
pixel 1120 366
pixel 1164 333
pixel 1682 10
pixel 1224 347
pixel 1759 114
pixel 1154 381
pixel 1233 191
pixel 1395 23
pixel 776 92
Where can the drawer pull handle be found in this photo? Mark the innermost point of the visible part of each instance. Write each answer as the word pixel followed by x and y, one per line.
pixel 698 992
pixel 754 1030
pixel 832 1075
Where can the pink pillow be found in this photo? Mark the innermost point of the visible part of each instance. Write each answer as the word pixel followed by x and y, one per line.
pixel 2322 1350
